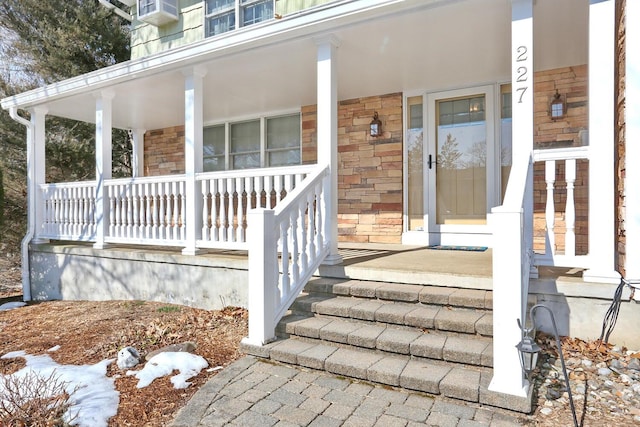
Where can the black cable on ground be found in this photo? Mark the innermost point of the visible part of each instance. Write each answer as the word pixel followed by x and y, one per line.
pixel 611 316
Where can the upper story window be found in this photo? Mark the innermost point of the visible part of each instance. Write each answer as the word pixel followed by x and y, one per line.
pixel 264 142
pixel 226 15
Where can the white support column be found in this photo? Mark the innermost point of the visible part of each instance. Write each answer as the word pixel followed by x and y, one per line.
pixel 38 117
pixel 602 245
pixel 137 155
pixel 632 135
pixel 103 164
pixel 193 161
pixel 328 137
pixel 509 297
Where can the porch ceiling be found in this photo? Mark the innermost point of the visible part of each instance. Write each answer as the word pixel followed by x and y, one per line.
pixel 389 46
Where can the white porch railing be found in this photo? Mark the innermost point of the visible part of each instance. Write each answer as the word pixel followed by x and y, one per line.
pixel 152 210
pixel 68 211
pixel 149 210
pixel 297 229
pixel 228 196
pixel 553 239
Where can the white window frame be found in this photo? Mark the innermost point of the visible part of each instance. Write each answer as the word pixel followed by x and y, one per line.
pixel 238 8
pixel 264 152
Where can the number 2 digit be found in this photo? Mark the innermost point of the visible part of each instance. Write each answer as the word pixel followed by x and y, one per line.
pixel 522 53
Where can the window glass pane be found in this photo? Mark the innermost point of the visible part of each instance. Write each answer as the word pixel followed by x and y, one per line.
pixel 505 137
pixel 283 132
pixel 213 140
pixel 415 178
pixel 256 11
pixel 284 157
pixel 219 24
pixel 213 164
pixel 219 5
pixel 415 116
pixel 246 161
pixel 146 6
pixel 245 137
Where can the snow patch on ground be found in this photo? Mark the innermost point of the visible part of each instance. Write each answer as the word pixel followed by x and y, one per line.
pixel 165 363
pixel 94 398
pixel 12 305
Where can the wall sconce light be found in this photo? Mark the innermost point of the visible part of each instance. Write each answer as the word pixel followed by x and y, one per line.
pixel 558 107
pixel 375 125
pixel 528 351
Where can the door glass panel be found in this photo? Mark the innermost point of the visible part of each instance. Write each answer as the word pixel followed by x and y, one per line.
pixel 461 175
pixel 415 177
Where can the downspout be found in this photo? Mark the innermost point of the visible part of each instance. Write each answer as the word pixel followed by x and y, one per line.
pixel 26 276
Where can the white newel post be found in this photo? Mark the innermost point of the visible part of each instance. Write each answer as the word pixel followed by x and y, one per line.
pixel 632 134
pixel 137 155
pixel 602 245
pixel 509 297
pixel 103 165
pixel 38 118
pixel 262 276
pixel 328 138
pixel 193 161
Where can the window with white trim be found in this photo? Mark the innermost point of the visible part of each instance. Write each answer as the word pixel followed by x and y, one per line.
pixel 264 142
pixel 226 15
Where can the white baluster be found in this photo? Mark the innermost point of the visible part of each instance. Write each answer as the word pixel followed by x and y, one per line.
pixel 304 248
pixel 216 207
pixel 570 209
pixel 550 178
pixel 321 211
pixel 311 228
pixel 232 214
pixel 204 188
pixel 156 198
pixel 284 238
pixel 295 252
pixel 136 210
pixel 183 207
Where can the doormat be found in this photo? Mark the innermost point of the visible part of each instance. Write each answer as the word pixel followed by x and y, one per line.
pixel 458 248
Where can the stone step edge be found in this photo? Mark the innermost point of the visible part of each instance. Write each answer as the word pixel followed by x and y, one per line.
pixel 459 383
pixel 430 317
pixel 464 349
pixel 429 294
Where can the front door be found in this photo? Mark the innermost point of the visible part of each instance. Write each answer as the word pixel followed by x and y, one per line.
pixel 458 168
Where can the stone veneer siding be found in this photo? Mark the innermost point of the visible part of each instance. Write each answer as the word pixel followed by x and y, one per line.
pixel 620 134
pixel 164 151
pixel 369 169
pixel 572 83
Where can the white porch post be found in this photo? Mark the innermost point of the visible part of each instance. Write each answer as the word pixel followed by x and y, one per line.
pixel 38 116
pixel 632 135
pixel 137 155
pixel 328 137
pixel 509 297
pixel 602 243
pixel 193 105
pixel 103 165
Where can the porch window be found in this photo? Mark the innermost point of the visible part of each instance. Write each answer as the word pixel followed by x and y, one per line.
pixel 415 167
pixel 226 15
pixel 264 142
pixel 505 136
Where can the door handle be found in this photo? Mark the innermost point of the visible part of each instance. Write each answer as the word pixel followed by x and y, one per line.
pixel 431 161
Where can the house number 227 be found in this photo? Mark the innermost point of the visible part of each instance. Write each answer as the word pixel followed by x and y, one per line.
pixel 522 73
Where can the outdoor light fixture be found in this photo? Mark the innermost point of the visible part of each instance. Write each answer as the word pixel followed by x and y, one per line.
pixel 528 350
pixel 558 107
pixel 375 125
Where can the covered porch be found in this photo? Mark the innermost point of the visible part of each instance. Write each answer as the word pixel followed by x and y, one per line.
pixel 284 220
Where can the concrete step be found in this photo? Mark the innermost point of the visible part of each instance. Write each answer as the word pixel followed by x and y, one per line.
pixel 414 314
pixel 426 294
pixel 457 382
pixel 427 338
pixel 458 348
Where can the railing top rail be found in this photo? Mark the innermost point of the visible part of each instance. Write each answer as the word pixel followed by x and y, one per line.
pixel 292 198
pixel 561 153
pixel 145 180
pixel 74 184
pixel 249 173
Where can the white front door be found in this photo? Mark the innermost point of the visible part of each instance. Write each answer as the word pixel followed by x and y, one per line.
pixel 459 167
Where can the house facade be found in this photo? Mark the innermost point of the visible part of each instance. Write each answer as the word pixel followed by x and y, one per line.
pixel 285 127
